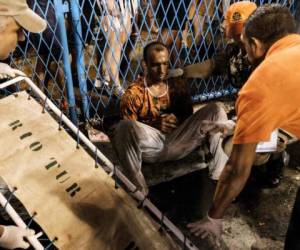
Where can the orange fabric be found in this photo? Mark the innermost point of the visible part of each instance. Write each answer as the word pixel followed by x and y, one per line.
pixel 270 99
pixel 236 16
pixel 138 104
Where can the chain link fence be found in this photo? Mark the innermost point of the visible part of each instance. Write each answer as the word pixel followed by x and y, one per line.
pixel 92 49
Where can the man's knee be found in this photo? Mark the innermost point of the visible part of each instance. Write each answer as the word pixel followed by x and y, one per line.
pixel 216 107
pixel 212 111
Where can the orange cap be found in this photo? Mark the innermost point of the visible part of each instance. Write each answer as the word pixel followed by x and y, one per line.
pixel 236 16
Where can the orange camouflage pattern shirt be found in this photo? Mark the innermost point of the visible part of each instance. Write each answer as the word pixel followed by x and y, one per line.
pixel 138 104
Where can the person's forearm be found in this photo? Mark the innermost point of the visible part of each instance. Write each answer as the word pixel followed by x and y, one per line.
pixel 229 186
pixel 201 70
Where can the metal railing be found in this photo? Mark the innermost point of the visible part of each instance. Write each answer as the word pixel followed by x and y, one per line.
pixel 89 51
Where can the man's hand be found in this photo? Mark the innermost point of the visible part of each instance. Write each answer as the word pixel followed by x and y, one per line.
pixel 13 237
pixel 168 122
pixel 281 143
pixel 173 73
pixel 211 127
pixel 7 72
pixel 207 227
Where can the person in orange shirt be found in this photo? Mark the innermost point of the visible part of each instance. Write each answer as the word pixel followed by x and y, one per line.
pixel 232 62
pixel 269 100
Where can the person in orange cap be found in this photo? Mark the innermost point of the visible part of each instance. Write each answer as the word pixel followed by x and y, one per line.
pixel 236 16
pixel 232 61
pixel 15 16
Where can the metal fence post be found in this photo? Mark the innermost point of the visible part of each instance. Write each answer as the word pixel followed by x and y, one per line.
pixel 60 9
pixel 79 46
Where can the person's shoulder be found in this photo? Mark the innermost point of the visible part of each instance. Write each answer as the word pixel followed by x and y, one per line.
pixel 135 89
pixel 137 84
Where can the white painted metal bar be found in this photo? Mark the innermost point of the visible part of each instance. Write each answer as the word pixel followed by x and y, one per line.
pixel 137 194
pixel 19 222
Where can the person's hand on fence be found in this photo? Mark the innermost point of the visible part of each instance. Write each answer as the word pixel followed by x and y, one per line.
pixel 13 237
pixel 211 127
pixel 173 73
pixel 168 122
pixel 8 72
pixel 207 227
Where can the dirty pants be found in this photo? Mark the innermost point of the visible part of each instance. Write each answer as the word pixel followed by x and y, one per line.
pixel 135 142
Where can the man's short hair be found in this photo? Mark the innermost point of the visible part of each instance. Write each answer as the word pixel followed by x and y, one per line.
pixel 269 23
pixel 157 46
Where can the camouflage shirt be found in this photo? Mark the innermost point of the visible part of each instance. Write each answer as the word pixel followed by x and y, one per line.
pixel 138 104
pixel 233 63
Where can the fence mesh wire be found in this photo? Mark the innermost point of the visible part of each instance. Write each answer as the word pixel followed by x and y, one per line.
pixel 112 34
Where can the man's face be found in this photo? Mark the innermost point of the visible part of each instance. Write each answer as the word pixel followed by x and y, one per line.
pixel 158 65
pixel 255 54
pixel 10 35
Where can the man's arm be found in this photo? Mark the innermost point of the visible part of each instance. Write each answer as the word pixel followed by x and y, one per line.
pixel 232 181
pixel 201 70
pixel 219 65
pixel 233 178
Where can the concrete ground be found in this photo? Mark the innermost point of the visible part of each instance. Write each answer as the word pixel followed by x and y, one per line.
pixel 258 220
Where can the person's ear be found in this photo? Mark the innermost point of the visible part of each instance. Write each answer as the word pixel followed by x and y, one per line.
pixel 257 47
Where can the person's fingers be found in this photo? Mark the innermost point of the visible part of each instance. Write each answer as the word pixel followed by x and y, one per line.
pixel 175 73
pixel 5 75
pixel 170 125
pixel 204 234
pixel 196 229
pixel 193 224
pixel 24 245
pixel 164 115
pixel 199 231
pixel 17 72
pixel 172 118
pixel 29 232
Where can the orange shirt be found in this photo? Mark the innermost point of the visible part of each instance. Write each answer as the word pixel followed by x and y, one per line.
pixel 270 99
